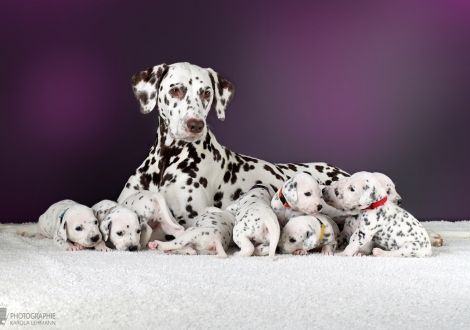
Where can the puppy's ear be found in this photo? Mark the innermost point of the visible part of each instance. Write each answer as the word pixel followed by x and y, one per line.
pixel 62 231
pixel 146 232
pixel 105 227
pixel 223 93
pixel 145 85
pixel 141 219
pixel 372 192
pixel 233 208
pixel 289 190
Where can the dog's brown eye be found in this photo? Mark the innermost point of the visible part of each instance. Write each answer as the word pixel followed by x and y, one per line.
pixel 207 94
pixel 174 91
pixel 119 233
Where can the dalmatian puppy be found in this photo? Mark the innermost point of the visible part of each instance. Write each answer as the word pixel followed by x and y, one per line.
pixel 72 227
pixel 301 195
pixel 186 163
pixel 395 231
pixel 351 222
pixel 304 233
pixel 255 223
pixel 211 234
pixel 121 228
pixel 152 208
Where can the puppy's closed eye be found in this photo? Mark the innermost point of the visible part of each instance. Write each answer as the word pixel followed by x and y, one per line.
pixel 308 194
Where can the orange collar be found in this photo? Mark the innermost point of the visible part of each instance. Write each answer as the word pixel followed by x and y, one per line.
pixel 283 199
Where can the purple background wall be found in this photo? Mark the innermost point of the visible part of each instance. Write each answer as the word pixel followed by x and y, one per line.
pixel 364 85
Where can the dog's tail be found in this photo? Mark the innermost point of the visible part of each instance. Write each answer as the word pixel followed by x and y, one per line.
pixel 27 229
pixel 274 233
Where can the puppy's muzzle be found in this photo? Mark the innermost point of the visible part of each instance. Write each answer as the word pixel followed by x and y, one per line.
pixel 133 248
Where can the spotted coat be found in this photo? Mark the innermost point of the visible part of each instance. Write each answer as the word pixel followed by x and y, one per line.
pixel 211 234
pixel 186 163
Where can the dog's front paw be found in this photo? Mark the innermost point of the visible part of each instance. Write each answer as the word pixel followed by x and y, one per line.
pixel 79 246
pixel 70 247
pixel 153 245
pixel 103 249
pixel 378 252
pixel 300 253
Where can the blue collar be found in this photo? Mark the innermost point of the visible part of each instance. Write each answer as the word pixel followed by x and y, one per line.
pixel 61 217
pixel 260 186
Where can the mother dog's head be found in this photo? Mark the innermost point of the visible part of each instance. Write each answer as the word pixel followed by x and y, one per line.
pixel 184 93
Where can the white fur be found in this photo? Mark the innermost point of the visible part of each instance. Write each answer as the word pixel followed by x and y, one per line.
pixel 152 208
pixel 75 230
pixel 396 231
pixel 121 228
pixel 301 234
pixel 255 223
pixel 211 234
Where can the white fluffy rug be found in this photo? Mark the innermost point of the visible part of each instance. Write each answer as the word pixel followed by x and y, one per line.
pixel 93 290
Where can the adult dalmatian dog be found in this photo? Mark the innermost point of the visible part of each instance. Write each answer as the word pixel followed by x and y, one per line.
pixel 186 163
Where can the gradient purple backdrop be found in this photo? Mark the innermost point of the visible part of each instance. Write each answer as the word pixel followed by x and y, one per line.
pixel 364 85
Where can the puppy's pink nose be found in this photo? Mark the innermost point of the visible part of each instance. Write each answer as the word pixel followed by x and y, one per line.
pixel 195 125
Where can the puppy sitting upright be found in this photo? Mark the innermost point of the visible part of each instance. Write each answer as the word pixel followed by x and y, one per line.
pixel 72 226
pixel 393 229
pixel 255 222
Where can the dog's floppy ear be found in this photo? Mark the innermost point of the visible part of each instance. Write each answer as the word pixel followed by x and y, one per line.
pixel 372 192
pixel 223 93
pixel 146 84
pixel 105 227
pixel 146 232
pixel 62 231
pixel 289 190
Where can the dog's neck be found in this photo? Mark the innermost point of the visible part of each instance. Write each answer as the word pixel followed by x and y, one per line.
pixel 167 149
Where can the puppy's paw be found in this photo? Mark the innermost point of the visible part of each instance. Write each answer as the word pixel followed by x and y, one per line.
pixel 153 245
pixel 300 253
pixel 79 246
pixel 378 252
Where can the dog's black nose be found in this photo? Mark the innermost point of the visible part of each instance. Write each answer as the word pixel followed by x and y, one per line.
pixel 95 238
pixel 319 207
pixel 336 192
pixel 133 248
pixel 399 202
pixel 195 125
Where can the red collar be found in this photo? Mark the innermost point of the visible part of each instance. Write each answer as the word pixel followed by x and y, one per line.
pixel 377 204
pixel 283 199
